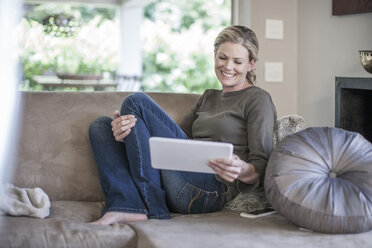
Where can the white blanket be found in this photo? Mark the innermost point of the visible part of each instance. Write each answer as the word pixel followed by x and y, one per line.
pixel 24 201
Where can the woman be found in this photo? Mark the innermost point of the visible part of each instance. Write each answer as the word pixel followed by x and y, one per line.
pixel 240 113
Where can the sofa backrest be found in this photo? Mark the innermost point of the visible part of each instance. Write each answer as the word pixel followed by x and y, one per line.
pixel 54 150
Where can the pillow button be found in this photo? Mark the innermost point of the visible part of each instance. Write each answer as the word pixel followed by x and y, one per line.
pixel 332 174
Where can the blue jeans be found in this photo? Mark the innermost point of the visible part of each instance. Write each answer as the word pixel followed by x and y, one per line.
pixel 129 182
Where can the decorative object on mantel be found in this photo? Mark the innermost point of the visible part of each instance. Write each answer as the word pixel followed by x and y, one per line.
pixel 366 59
pixel 60 25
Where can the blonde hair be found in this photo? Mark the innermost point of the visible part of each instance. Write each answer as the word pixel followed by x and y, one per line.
pixel 244 36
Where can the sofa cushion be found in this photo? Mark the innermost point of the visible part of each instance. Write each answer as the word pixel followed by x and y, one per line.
pixel 226 229
pixel 321 179
pixel 67 226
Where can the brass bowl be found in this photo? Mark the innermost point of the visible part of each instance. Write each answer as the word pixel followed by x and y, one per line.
pixel 366 59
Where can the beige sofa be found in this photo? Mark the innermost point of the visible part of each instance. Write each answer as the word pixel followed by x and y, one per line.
pixel 55 155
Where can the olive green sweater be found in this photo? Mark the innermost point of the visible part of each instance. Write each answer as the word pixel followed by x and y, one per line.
pixel 244 118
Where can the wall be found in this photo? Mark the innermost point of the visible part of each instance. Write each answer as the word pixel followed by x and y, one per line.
pixel 327 47
pixel 284 94
pixel 316 48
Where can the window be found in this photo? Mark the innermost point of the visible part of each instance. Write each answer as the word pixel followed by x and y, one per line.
pixel 177 38
pixel 59 42
pixel 74 47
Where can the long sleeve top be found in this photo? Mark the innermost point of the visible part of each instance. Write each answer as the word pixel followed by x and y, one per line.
pixel 244 118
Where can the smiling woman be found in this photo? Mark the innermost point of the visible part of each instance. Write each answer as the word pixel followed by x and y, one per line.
pixel 240 114
pixel 232 65
pixel 244 52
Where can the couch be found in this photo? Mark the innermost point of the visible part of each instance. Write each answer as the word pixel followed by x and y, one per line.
pixel 54 154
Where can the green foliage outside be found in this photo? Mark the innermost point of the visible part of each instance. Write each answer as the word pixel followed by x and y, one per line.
pixel 177 39
pixel 92 49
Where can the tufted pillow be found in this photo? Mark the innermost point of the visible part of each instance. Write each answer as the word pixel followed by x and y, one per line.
pixel 321 179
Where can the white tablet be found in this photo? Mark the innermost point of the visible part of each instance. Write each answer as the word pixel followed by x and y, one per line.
pixel 186 155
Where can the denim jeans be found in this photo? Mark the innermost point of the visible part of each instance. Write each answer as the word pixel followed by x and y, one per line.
pixel 129 182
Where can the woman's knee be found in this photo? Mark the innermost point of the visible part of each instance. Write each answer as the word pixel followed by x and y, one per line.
pixel 133 101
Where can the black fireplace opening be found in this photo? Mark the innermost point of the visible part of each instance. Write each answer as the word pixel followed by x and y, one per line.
pixel 356 111
pixel 354 105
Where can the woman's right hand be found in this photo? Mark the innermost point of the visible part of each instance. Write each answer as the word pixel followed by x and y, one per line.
pixel 121 125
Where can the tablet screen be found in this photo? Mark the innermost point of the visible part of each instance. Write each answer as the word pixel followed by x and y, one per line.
pixel 187 155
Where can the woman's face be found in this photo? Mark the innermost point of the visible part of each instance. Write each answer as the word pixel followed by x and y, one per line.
pixel 231 64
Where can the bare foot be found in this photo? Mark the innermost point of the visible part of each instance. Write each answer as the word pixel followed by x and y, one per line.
pixel 119 217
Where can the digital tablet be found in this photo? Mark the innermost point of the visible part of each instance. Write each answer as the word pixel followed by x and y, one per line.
pixel 186 155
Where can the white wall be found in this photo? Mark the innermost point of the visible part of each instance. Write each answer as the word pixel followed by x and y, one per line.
pixel 284 94
pixel 327 47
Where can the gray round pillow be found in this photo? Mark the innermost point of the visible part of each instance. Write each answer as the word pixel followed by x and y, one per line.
pixel 321 179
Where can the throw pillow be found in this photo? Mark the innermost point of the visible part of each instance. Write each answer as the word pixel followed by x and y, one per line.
pixel 321 179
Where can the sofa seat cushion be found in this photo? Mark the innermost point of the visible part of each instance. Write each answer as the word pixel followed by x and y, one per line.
pixel 67 226
pixel 227 229
pixel 321 179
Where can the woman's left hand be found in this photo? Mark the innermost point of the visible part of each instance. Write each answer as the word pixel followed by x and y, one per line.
pixel 235 168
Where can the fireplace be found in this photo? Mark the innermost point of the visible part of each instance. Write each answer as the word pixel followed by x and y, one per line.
pixel 354 105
